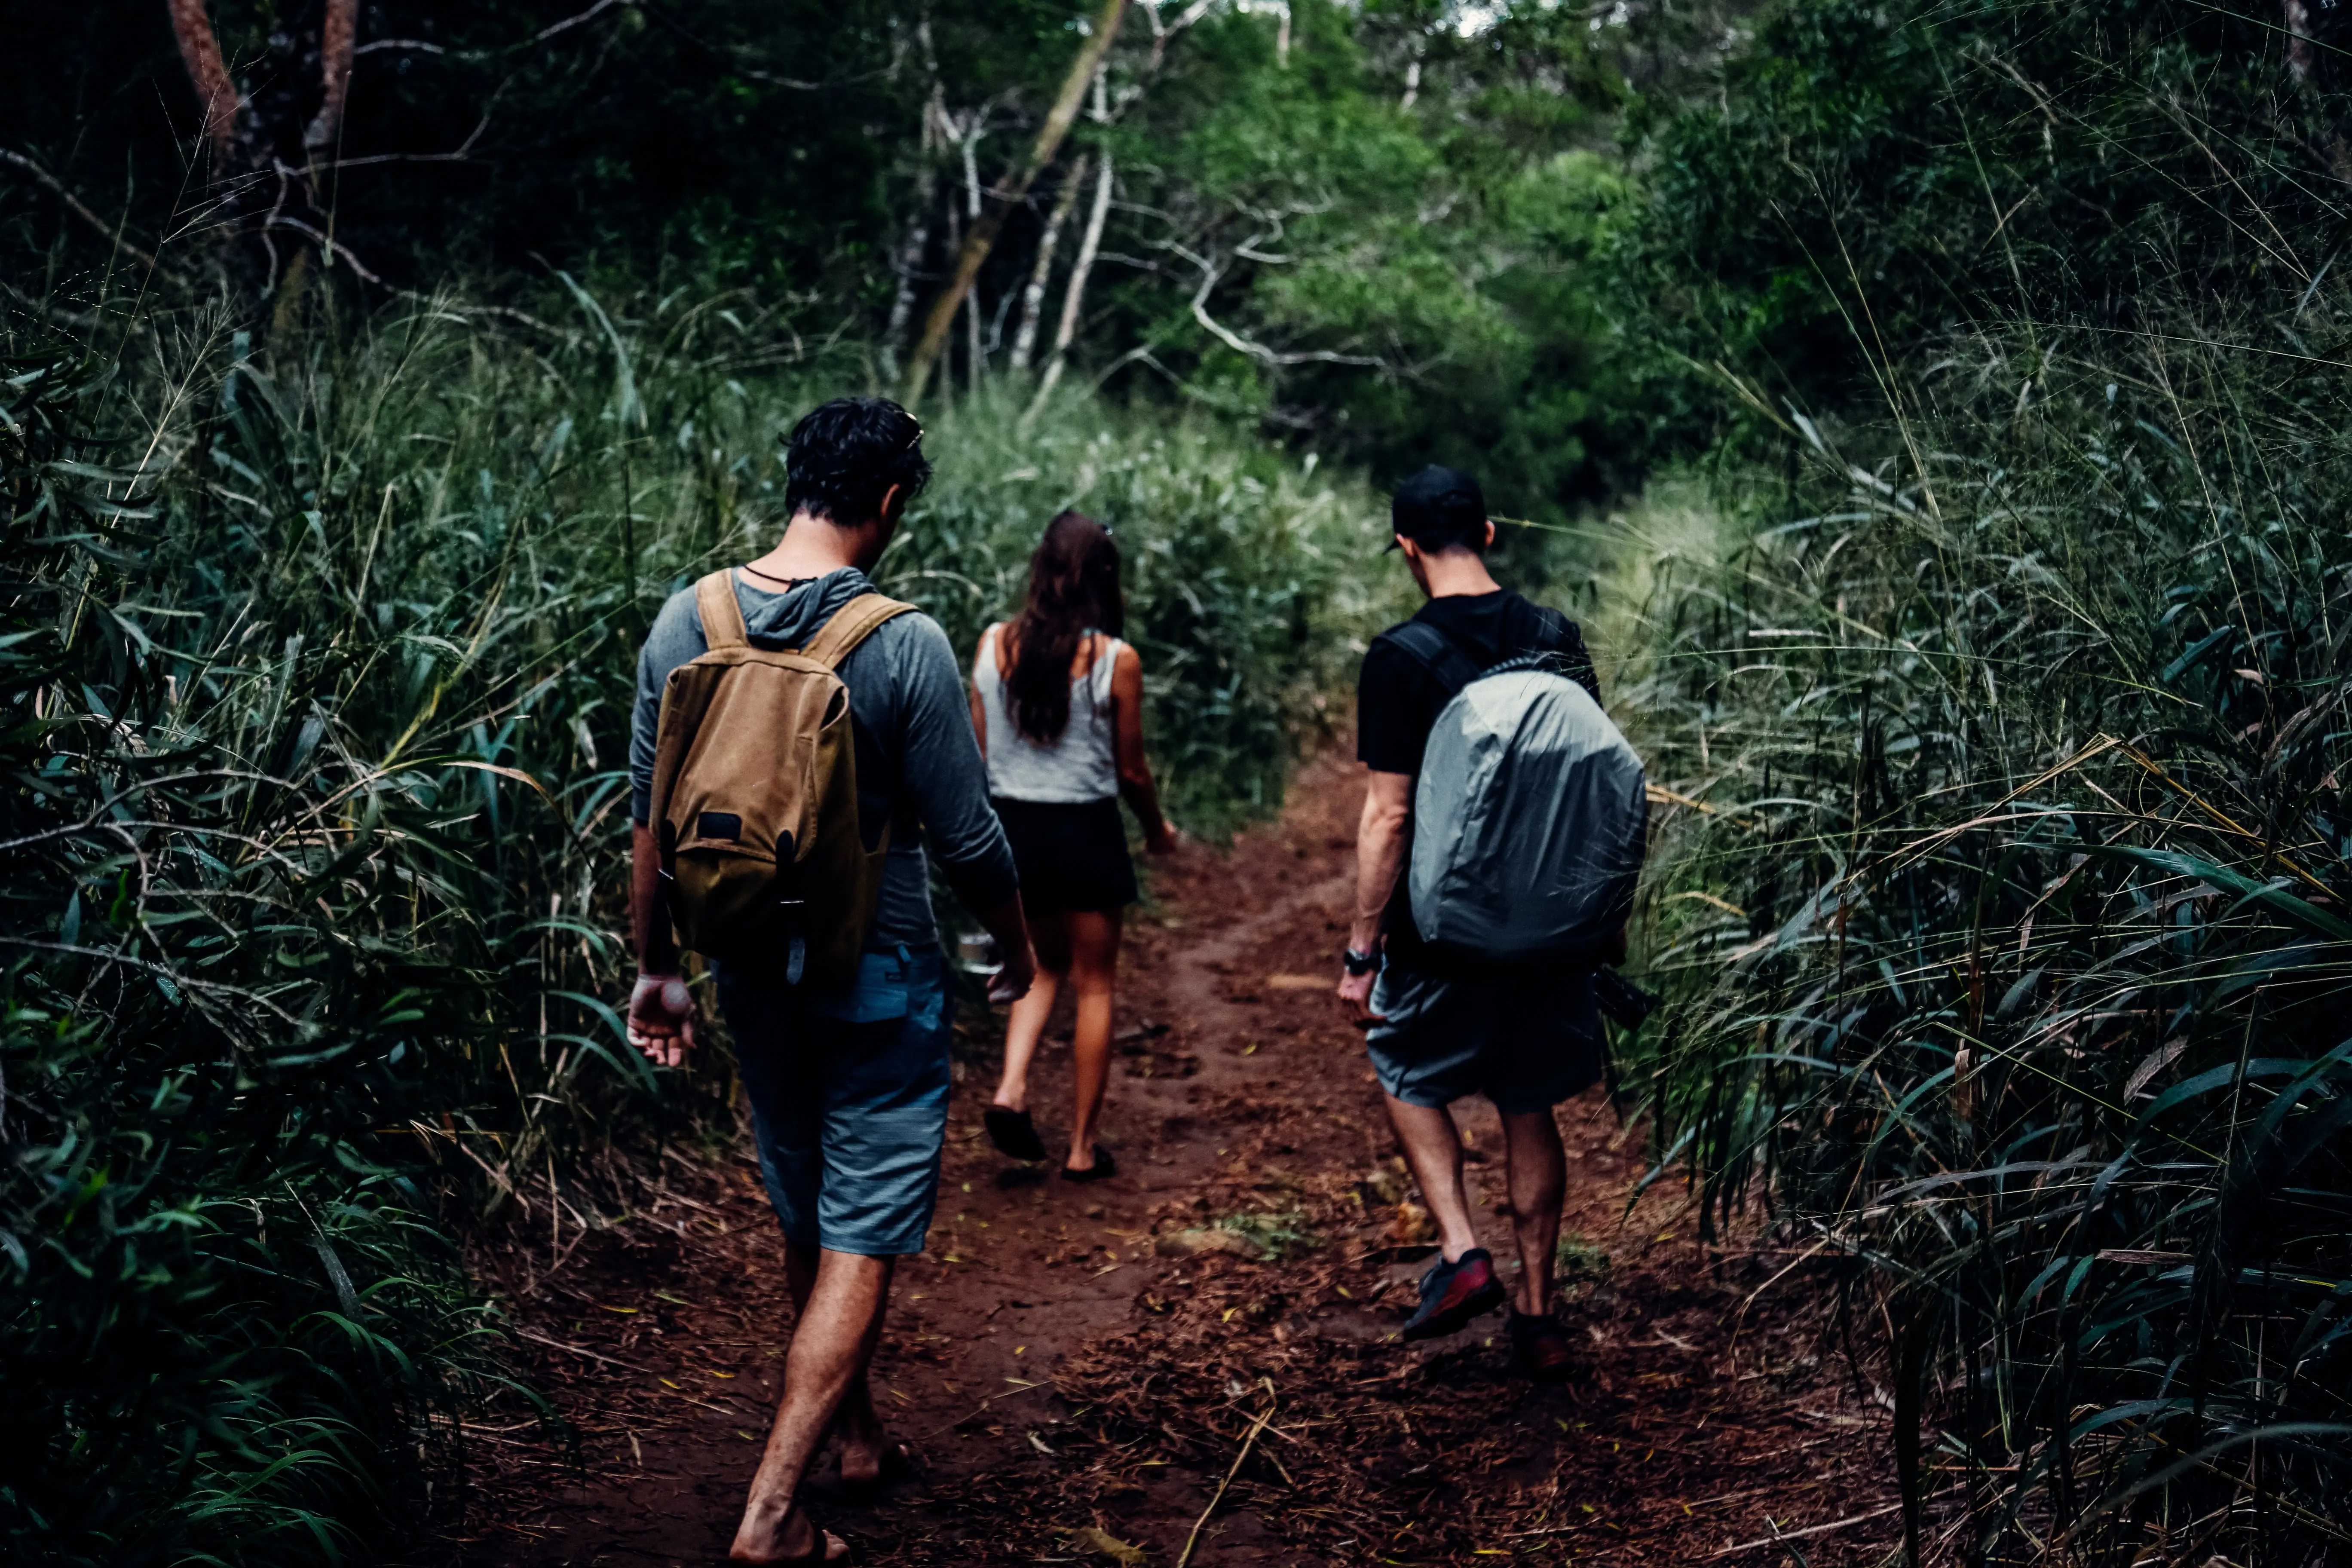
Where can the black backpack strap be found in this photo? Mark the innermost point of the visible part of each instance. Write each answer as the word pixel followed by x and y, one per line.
pixel 1564 641
pixel 1444 658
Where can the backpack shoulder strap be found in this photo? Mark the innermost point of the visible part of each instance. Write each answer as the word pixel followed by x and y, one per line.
pixel 851 624
pixel 1440 654
pixel 722 616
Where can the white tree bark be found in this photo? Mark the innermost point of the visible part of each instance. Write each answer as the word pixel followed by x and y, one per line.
pixel 1073 300
pixel 1032 297
pixel 973 360
pixel 911 264
pixel 1012 189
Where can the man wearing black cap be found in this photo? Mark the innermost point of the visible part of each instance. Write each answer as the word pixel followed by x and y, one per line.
pixel 1437 1031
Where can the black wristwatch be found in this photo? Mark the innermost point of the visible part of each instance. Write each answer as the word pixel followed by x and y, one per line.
pixel 1360 962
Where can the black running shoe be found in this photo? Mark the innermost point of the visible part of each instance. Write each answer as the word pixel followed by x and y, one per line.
pixel 1453 1293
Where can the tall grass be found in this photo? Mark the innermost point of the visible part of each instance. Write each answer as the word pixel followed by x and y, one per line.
pixel 2007 900
pixel 316 670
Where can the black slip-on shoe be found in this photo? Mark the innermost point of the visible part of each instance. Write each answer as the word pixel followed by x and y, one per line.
pixel 1014 1135
pixel 1540 1347
pixel 1102 1170
pixel 1453 1293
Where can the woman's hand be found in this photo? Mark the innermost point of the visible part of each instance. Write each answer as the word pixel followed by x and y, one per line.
pixel 1167 841
pixel 661 1018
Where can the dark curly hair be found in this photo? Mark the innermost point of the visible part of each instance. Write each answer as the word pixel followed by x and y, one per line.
pixel 1073 589
pixel 846 455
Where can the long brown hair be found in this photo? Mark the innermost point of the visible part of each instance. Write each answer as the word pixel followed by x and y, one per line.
pixel 1073 589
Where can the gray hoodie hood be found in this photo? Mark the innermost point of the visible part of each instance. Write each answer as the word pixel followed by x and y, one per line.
pixel 790 618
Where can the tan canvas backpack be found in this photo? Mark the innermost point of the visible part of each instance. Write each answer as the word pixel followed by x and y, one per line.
pixel 755 798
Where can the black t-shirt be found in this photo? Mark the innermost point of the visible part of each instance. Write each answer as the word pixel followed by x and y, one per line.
pixel 1399 696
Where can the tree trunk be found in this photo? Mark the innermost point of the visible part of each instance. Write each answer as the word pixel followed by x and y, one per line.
pixel 910 262
pixel 339 32
pixel 982 238
pixel 1032 297
pixel 975 360
pixel 216 95
pixel 919 227
pixel 1074 300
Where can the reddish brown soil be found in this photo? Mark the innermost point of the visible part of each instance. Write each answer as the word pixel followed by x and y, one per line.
pixel 1074 1393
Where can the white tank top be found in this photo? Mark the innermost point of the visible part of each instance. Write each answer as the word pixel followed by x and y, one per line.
pixel 1079 767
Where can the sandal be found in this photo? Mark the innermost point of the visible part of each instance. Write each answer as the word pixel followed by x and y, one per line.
pixel 1102 1170
pixel 1014 1135
pixel 897 1464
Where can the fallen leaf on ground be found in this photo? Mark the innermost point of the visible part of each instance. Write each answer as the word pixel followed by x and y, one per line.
pixel 1087 1538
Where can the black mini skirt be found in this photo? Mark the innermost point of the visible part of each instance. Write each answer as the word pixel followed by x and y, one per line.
pixel 1070 857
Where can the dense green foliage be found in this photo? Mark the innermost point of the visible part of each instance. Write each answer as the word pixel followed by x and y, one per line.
pixel 1996 655
pixel 320 667
pixel 2009 926
pixel 1357 222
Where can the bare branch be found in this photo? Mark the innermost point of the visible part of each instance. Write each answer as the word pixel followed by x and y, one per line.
pixel 464 151
pixel 74 203
pixel 419 45
pixel 569 23
pixel 1210 277
pixel 278 220
pixel 1163 35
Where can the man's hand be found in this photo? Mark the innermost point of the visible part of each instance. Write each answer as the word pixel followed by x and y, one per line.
pixel 1356 998
pixel 1014 976
pixel 661 1018
pixel 1167 841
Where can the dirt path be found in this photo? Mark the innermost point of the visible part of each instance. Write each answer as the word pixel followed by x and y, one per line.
pixel 1078 1369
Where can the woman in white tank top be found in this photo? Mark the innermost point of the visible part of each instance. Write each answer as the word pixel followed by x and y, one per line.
pixel 1058 702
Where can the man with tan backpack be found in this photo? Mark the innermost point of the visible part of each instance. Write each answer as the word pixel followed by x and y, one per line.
pixel 797 737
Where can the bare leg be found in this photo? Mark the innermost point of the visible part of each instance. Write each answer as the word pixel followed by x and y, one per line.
pixel 1094 977
pixel 1538 1180
pixel 1434 1149
pixel 857 1423
pixel 1025 1025
pixel 835 1336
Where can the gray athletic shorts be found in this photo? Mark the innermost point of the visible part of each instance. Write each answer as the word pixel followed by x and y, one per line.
pixel 849 1099
pixel 1526 1039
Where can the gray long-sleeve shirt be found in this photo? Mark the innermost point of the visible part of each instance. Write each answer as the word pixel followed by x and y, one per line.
pixel 916 759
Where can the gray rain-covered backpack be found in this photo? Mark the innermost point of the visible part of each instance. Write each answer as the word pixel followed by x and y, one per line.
pixel 1530 818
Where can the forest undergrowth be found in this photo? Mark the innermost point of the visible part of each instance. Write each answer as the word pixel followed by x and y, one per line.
pixel 2002 892
pixel 1984 626
pixel 318 672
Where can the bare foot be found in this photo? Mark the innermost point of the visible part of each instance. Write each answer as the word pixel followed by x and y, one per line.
pixel 770 1540
pixel 867 1451
pixel 862 1461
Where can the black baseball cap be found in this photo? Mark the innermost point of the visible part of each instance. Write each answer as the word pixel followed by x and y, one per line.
pixel 1439 508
